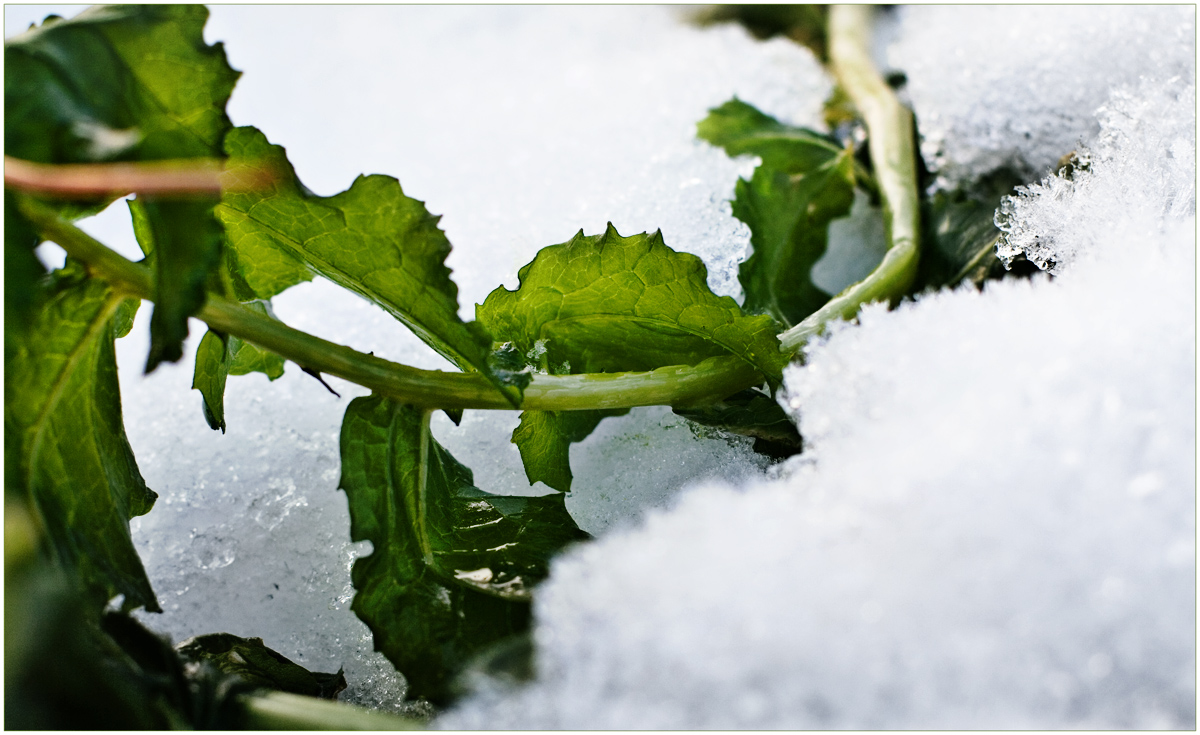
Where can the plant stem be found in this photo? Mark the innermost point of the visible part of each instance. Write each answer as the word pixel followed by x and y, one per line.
pixel 283 711
pixel 676 385
pixel 177 178
pixel 890 127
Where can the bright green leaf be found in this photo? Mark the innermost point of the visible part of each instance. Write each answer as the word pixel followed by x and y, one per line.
pixel 370 239
pixel 545 437
pixel 805 181
pixel 452 566
pixel 65 442
pixel 607 303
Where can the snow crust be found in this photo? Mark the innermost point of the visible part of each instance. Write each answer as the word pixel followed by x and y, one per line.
pixel 1018 85
pixel 993 522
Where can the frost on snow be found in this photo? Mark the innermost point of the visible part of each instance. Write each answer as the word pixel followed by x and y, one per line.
pixel 1018 86
pixel 1143 165
pixel 993 523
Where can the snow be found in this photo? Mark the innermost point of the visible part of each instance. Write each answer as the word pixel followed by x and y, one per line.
pixel 1018 85
pixel 993 523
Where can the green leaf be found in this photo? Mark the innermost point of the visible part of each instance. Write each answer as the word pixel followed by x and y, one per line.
pixel 370 239
pixel 256 664
pixel 805 181
pixel 741 129
pixel 804 24
pixel 751 413
pixel 129 83
pixel 960 233
pixel 607 303
pixel 117 82
pixel 167 233
pixel 65 443
pixel 186 246
pixel 65 670
pixel 219 356
pixel 452 566
pixel 545 437
pixel 22 269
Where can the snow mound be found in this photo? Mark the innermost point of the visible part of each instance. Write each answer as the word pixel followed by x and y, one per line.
pixel 1018 86
pixel 993 524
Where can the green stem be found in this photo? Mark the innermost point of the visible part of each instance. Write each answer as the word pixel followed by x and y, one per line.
pixel 282 711
pixel 676 385
pixel 890 127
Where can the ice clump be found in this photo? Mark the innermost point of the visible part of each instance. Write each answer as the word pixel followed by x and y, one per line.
pixel 1143 164
pixel 1018 86
pixel 520 125
pixel 992 526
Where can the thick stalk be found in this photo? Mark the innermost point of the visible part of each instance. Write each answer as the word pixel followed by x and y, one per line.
pixel 676 385
pixel 890 127
pixel 282 711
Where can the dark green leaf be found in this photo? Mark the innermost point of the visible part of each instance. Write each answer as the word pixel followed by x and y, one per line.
pixel 22 269
pixel 508 663
pixel 65 441
pixel 741 129
pixel 219 356
pixel 117 82
pixel 960 233
pixel 256 664
pixel 804 24
pixel 129 83
pixel 806 180
pixel 545 438
pixel 452 566
pixel 370 239
pixel 751 413
pixel 63 672
pixel 186 246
